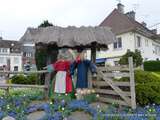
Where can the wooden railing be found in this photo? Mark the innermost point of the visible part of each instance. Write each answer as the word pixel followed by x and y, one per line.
pixel 6 86
pixel 110 90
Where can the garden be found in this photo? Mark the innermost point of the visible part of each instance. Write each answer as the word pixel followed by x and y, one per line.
pixel 29 104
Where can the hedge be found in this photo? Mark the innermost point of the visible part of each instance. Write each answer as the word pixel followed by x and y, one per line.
pixel 147 87
pixel 24 79
pixel 152 65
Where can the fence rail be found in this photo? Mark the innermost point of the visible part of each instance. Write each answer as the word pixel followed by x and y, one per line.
pixel 107 87
pixel 45 86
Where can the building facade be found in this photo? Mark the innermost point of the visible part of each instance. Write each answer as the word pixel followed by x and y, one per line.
pixel 10 55
pixel 130 35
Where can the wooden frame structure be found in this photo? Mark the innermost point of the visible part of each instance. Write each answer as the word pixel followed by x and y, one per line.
pixel 108 89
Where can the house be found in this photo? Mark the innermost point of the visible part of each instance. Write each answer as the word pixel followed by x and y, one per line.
pixel 130 35
pixel 10 55
pixel 28 59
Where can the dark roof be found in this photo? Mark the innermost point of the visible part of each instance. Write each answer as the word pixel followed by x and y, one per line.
pixel 70 36
pixel 121 23
pixel 15 46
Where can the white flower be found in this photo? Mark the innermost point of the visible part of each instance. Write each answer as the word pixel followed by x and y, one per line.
pixel 98 106
pixel 62 108
pixel 97 95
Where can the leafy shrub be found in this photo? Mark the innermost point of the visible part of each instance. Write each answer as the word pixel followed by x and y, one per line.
pixel 152 65
pixel 147 87
pixel 19 79
pixel 137 58
pixel 22 79
pixel 32 78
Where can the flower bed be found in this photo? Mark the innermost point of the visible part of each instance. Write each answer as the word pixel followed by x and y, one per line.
pixel 18 106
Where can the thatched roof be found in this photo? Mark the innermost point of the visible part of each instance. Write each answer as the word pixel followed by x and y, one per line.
pixel 69 36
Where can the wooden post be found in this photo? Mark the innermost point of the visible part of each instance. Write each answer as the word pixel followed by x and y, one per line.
pixel 93 54
pixel 46 89
pixel 7 91
pixel 132 83
pixel 93 59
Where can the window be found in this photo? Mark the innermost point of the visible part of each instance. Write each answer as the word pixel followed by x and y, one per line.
pixel 138 41
pixel 156 49
pixel 146 42
pixel 3 50
pixel 118 44
pixel 116 63
pixel 15 68
pixel 16 60
pixel 27 54
pixel 2 60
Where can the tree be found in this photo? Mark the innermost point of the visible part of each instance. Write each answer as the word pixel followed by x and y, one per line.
pixel 45 23
pixel 137 58
pixel 41 54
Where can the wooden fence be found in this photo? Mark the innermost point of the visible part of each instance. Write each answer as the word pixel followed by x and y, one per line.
pixel 45 86
pixel 112 91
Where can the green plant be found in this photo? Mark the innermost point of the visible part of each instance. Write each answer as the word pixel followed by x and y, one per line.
pixel 137 58
pixel 24 79
pixel 32 78
pixel 147 87
pixel 19 79
pixel 152 65
pixel 90 98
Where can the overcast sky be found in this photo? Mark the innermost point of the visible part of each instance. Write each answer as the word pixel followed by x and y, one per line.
pixel 17 15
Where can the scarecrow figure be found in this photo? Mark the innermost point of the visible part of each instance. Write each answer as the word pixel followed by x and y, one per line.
pixel 82 65
pixel 63 81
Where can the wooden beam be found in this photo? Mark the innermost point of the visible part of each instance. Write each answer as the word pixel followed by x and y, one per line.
pixel 23 72
pixel 103 83
pixel 132 83
pixel 110 100
pixel 4 86
pixel 121 74
pixel 115 68
pixel 111 92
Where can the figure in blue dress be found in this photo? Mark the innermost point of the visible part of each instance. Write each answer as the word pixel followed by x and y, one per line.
pixel 82 65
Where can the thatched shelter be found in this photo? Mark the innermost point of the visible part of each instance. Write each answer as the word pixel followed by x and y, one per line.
pixel 71 37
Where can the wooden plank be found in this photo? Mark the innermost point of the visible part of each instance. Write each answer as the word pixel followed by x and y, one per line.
pixel 110 100
pixel 47 81
pixel 114 68
pixel 132 83
pixel 117 89
pixel 124 74
pixel 103 83
pixel 111 92
pixel 4 86
pixel 23 72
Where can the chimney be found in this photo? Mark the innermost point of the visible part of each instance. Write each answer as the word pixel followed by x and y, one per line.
pixel 144 24
pixel 120 8
pixel 131 14
pixel 154 31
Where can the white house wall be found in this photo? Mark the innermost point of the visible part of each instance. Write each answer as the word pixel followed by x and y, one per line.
pixel 129 41
pixel 147 50
pixel 15 60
